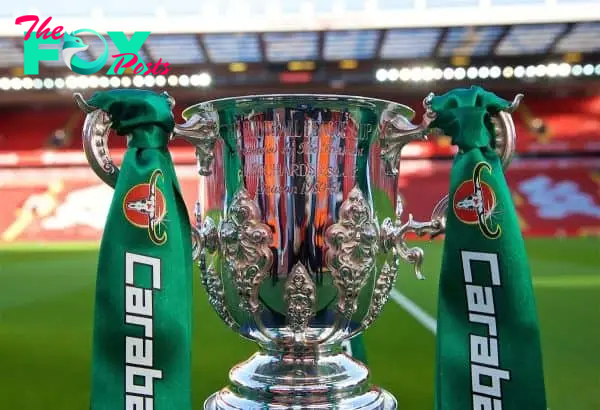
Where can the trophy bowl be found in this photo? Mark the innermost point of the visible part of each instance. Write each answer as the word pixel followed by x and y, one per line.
pixel 299 238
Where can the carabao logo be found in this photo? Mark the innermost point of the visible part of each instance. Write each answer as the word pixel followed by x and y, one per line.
pixel 475 202
pixel 145 207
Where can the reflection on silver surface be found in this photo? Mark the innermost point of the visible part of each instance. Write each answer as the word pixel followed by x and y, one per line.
pixel 96 130
pixel 201 130
pixel 393 233
pixel 381 293
pixel 213 285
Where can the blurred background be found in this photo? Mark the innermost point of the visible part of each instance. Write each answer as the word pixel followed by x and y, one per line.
pixel 53 208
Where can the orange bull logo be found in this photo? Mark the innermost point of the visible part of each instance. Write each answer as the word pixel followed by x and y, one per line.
pixel 145 206
pixel 474 202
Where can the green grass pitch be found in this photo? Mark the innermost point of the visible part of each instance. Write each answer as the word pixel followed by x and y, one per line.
pixel 46 304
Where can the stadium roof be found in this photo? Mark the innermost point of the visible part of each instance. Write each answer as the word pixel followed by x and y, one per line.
pixel 491 43
pixel 226 16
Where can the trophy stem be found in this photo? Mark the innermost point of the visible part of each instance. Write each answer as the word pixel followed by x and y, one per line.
pixel 317 377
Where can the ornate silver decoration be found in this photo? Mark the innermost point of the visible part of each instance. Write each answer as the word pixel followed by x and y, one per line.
pixel 505 134
pixel 300 297
pixel 205 236
pixel 245 243
pixel 396 131
pixel 96 130
pixel 393 235
pixel 352 243
pixel 381 293
pixel 213 285
pixel 202 131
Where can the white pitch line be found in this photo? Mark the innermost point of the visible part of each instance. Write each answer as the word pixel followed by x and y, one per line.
pixel 415 311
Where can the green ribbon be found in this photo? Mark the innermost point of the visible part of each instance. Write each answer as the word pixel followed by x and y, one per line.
pixel 355 348
pixel 143 311
pixel 488 343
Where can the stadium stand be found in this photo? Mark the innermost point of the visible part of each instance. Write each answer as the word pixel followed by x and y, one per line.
pixel 36 128
pixel 568 125
pixel 554 196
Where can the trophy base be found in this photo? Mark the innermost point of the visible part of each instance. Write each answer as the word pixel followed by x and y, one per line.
pixel 387 402
pixel 317 380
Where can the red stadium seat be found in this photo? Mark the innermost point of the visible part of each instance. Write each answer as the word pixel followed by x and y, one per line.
pixel 543 125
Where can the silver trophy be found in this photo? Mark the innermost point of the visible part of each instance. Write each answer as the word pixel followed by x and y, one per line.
pixel 300 234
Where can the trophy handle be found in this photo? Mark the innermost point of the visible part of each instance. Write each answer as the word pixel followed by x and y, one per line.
pixel 506 136
pixel 96 130
pixel 204 235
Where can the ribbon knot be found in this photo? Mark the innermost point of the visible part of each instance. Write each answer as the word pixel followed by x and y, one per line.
pixel 465 115
pixel 144 116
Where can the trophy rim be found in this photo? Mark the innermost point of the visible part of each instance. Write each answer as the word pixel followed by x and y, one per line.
pixel 246 104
